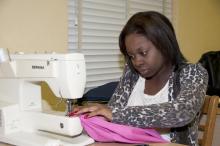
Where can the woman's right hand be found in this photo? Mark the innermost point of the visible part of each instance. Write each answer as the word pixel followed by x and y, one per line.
pixel 91 110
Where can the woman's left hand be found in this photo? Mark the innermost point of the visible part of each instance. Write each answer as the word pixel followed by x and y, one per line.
pixel 94 110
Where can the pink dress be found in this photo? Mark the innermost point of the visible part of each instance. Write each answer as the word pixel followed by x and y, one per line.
pixel 101 130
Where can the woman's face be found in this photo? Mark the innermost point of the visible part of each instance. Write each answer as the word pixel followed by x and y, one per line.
pixel 145 57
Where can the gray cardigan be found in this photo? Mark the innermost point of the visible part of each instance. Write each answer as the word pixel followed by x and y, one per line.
pixel 187 88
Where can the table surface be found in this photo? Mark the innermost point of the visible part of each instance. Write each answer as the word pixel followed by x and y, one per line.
pixel 118 144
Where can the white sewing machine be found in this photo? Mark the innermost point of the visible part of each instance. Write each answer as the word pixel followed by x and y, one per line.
pixel 22 121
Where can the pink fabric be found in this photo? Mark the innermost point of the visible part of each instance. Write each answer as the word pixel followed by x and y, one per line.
pixel 101 130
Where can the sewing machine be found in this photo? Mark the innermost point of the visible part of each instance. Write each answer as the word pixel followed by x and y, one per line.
pixel 22 120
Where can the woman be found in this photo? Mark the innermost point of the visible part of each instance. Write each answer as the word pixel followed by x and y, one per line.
pixel 158 88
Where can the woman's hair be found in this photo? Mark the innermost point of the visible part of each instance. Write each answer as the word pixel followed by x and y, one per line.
pixel 159 30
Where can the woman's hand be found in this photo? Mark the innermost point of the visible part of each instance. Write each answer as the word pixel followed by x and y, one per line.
pixel 93 110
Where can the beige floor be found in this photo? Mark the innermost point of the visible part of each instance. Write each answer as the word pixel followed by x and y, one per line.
pixel 216 140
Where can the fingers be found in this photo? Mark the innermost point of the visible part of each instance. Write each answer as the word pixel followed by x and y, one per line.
pixel 93 113
pixel 93 110
pixel 78 110
pixel 102 111
pixel 87 109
